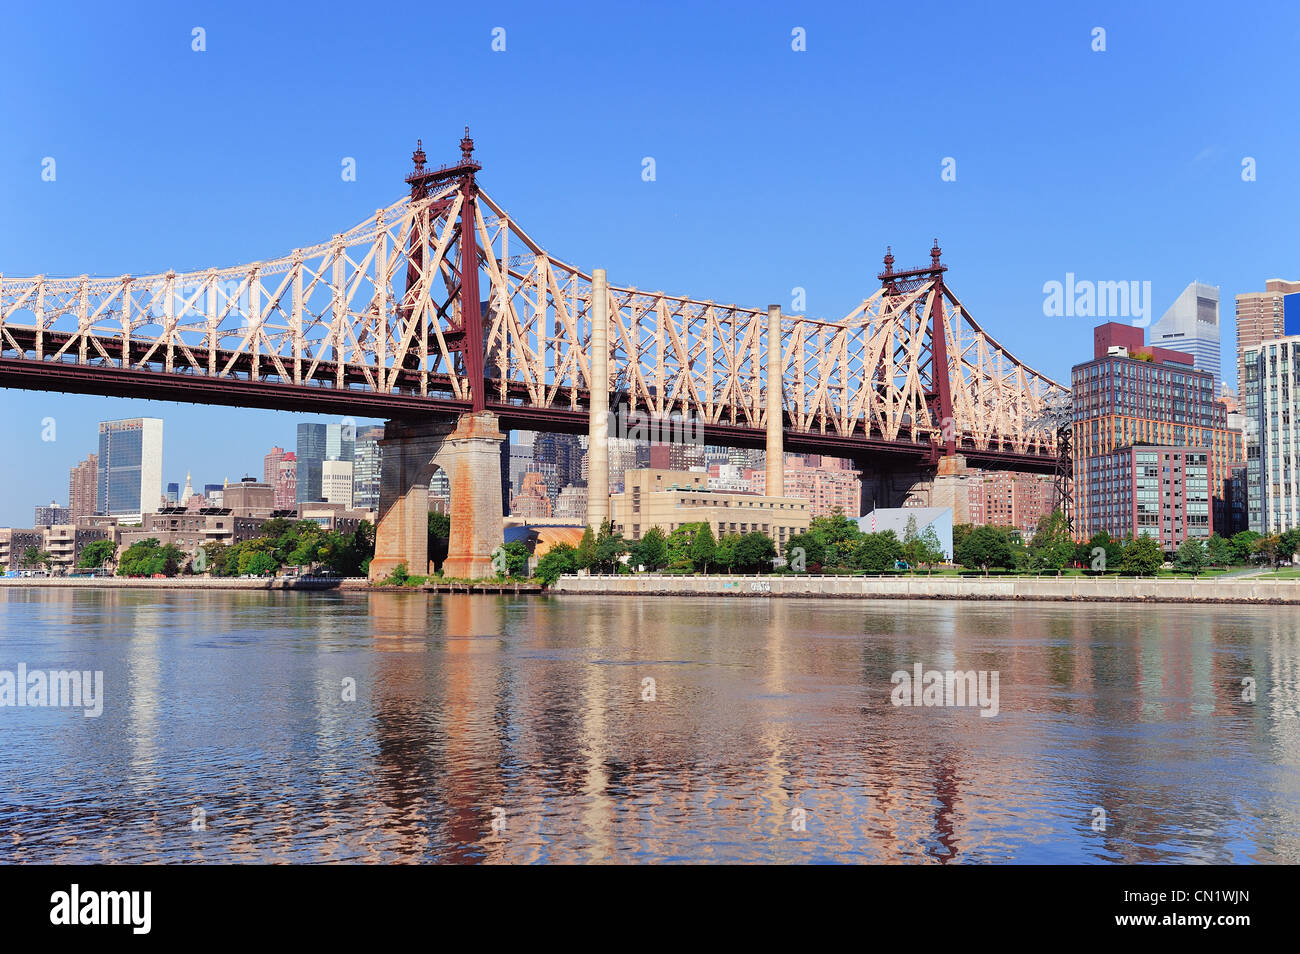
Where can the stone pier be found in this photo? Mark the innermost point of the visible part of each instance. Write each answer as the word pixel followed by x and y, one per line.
pixel 470 454
pixel 951 488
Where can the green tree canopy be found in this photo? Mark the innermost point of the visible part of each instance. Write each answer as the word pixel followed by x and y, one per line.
pixel 557 561
pixel 986 548
pixel 651 551
pixel 702 547
pixel 96 553
pixel 1191 555
pixel 1142 555
pixel 1052 547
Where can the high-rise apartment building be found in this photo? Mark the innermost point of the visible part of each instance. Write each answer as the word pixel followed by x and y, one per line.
pixel 53 515
pixel 1136 396
pixel 1160 492
pixel 828 487
pixel 130 468
pixel 1191 326
pixel 286 482
pixel 1262 316
pixel 1273 452
pixel 336 482
pixel 1011 499
pixel 83 487
pixel 367 468
pixel 271 465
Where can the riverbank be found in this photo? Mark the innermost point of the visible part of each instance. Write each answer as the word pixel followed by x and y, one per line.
pixel 941 588
pixel 179 583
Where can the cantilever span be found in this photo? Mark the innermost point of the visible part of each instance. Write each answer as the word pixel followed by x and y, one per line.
pixel 442 307
pixel 376 311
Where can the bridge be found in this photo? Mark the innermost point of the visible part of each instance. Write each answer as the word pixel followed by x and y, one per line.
pixel 442 315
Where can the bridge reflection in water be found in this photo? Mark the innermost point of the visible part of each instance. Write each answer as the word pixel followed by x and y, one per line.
pixel 535 707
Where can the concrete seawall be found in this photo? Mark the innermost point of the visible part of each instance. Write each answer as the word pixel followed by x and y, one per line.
pixel 941 588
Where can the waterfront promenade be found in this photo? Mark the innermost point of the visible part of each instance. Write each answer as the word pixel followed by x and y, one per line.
pixel 807 586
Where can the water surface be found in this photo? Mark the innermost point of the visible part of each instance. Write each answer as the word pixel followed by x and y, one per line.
pixel 533 713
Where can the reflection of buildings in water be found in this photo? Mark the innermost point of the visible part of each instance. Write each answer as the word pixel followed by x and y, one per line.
pixel 437 774
pixel 1281 689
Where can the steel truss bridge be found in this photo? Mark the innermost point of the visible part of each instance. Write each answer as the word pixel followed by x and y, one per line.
pixel 442 303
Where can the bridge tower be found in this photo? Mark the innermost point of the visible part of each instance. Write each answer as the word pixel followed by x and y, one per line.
pixel 946 485
pixel 470 451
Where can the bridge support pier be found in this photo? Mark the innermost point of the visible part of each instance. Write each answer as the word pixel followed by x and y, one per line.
pixel 951 488
pixel 470 454
pixel 886 488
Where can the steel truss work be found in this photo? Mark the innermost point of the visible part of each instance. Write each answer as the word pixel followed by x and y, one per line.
pixel 379 309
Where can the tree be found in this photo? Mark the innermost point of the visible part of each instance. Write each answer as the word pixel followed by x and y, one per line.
pixel 586 553
pixel 557 561
pixel 1288 543
pixel 1219 551
pixel 959 534
pixel 1191 555
pixel 814 550
pixel 277 527
pixel 838 537
pixel 216 557
pixel 651 551
pixel 262 564
pixel 1052 546
pixel 877 552
pixel 703 547
pixel 1267 548
pixel 34 556
pixel 148 558
pixel 1142 556
pixel 398 577
pixel 610 547
pixel 754 552
pixel 986 547
pixel 724 554
pixel 1243 546
pixel 931 551
pixel 516 560
pixel 439 537
pixel 95 554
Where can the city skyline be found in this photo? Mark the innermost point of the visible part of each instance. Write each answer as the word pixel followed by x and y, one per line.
pixel 1000 263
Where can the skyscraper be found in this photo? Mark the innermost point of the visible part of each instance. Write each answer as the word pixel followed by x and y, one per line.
pixel 1191 326
pixel 1261 316
pixel 318 443
pixel 83 487
pixel 1272 477
pixel 367 464
pixel 130 467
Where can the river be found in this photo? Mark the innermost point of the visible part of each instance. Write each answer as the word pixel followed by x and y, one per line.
pixel 326 727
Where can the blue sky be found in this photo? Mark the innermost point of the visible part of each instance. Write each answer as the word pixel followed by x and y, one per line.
pixel 775 168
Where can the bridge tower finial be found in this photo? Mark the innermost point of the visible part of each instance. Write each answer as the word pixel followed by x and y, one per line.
pixel 418 157
pixel 889 259
pixel 935 252
pixel 466 147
